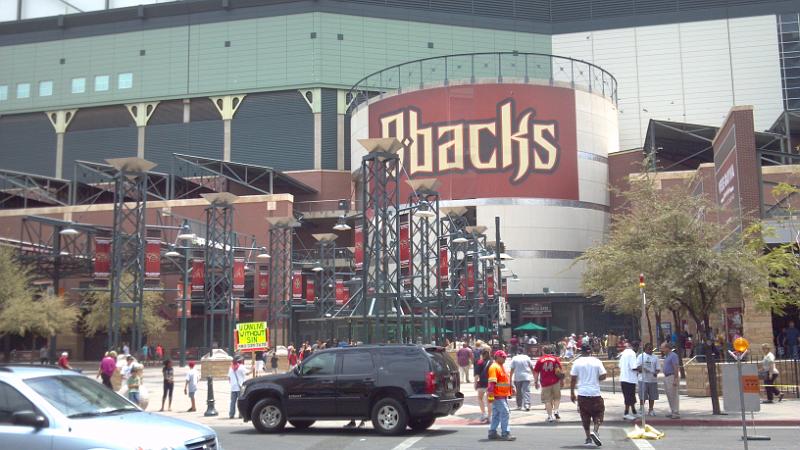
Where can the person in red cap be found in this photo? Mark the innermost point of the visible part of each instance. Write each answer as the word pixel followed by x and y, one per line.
pixel 499 390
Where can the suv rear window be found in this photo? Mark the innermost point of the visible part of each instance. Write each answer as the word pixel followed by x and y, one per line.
pixel 441 362
pixel 356 363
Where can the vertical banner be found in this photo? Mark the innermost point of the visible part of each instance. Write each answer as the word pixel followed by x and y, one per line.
pixel 297 285
pixel 262 283
pixel 152 259
pixel 198 275
pixel 462 286
pixel 182 294
pixel 238 274
pixel 405 246
pixel 102 258
pixel 341 298
pixel 444 269
pixel 310 292
pixel 470 277
pixel 359 247
pixel 490 285
pixel 504 290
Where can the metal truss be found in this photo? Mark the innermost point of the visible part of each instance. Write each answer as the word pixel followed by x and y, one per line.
pixel 194 175
pixel 95 183
pixel 128 252
pixel 219 253
pixel 424 241
pixel 380 170
pixel 279 310
pixel 52 254
pixel 23 190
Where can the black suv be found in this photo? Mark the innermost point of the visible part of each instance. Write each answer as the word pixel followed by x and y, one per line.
pixel 394 385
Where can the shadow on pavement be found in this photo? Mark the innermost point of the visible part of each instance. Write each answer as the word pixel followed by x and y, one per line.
pixel 290 431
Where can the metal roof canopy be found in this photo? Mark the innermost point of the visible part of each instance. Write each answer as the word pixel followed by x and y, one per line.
pixel 24 190
pixel 195 175
pixel 94 183
pixel 684 146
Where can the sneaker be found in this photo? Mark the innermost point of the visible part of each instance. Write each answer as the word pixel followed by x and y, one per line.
pixel 674 416
pixel 527 408
pixel 494 436
pixel 550 419
pixel 629 417
pixel 780 397
pixel 767 401
pixel 508 437
pixel 651 413
pixel 588 441
pixel 595 438
pixel 557 416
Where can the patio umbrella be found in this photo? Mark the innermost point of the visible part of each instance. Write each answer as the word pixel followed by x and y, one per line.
pixel 479 329
pixel 530 326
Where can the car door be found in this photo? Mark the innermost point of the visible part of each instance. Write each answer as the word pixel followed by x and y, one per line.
pixel 312 392
pixel 355 382
pixel 19 436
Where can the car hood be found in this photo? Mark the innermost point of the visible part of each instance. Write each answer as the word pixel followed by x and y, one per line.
pixel 141 429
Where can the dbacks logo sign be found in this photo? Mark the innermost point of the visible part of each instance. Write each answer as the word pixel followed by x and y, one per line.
pixel 519 139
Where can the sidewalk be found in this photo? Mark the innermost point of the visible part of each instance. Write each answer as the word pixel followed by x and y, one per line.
pixel 694 411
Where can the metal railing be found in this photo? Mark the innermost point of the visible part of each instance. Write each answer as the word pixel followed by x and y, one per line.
pixel 489 67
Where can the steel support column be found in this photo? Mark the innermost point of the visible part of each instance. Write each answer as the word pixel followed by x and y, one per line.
pixel 280 275
pixel 219 250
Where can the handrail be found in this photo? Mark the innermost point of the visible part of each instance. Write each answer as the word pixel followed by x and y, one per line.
pixel 607 82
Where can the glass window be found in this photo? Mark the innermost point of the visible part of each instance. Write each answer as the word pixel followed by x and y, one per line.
pixel 356 363
pixel 12 401
pixel 45 88
pixel 101 83
pixel 23 90
pixel 78 85
pixel 125 81
pixel 3 93
pixel 320 364
pixel 77 396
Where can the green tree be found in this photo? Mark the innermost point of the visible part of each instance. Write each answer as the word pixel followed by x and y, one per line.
pixel 98 313
pixel 673 237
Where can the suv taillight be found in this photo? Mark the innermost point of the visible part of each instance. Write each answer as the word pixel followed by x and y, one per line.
pixel 430 383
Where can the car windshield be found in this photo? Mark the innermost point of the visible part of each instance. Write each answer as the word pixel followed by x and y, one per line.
pixel 77 396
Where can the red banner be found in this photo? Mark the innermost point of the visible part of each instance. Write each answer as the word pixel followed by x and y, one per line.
pixel 444 268
pixel 198 275
pixel 297 285
pixel 490 285
pixel 238 274
pixel 405 246
pixel 358 254
pixel 262 282
pixel 179 302
pixel 341 297
pixel 310 292
pixel 152 259
pixel 504 290
pixel 462 287
pixel 102 258
pixel 470 277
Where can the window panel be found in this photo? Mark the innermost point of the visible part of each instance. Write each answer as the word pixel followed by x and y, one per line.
pixel 23 90
pixel 45 88
pixel 12 401
pixel 125 81
pixel 78 85
pixel 101 83
pixel 3 93
pixel 321 364
pixel 356 363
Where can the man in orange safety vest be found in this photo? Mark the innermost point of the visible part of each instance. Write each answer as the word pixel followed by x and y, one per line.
pixel 499 391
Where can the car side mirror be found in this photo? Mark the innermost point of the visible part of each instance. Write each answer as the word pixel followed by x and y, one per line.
pixel 28 419
pixel 298 371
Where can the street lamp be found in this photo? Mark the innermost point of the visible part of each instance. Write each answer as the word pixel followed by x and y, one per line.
pixel 341 224
pixel 69 231
pixel 262 253
pixel 172 253
pixel 186 233
pixel 317 267
pixel 460 239
pixel 424 210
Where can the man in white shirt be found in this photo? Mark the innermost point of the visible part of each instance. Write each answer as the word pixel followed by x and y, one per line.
pixel 629 377
pixel 190 388
pixel 522 375
pixel 587 372
pixel 236 376
pixel 648 378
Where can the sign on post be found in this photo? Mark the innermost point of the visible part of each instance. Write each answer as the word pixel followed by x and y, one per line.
pixel 252 337
pixel 749 384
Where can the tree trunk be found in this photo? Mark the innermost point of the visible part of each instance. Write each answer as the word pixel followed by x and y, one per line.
pixel 676 320
pixel 711 366
pixel 659 337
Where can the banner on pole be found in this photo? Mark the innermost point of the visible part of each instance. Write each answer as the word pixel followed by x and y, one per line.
pixel 198 275
pixel 490 285
pixel 251 337
pixel 262 285
pixel 152 259
pixel 444 267
pixel 238 274
pixel 310 292
pixel 405 246
pixel 470 277
pixel 102 258
pixel 341 297
pixel 297 285
pixel 358 253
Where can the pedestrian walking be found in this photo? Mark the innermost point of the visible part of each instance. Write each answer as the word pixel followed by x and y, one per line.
pixel 236 377
pixel 190 388
pixel 671 369
pixel 292 358
pixel 63 361
pixel 108 365
pixel 587 373
pixel 648 379
pixel 125 349
pixel 499 390
pixel 550 375
pixel 464 358
pixel 482 383
pixel 522 375
pixel 628 378
pixel 126 369
pixel 159 352
pixel 273 362
pixel 168 374
pixel 43 355
pixel 769 373
pixel 134 384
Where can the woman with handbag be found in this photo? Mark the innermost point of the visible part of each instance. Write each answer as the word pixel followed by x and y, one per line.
pixel 769 373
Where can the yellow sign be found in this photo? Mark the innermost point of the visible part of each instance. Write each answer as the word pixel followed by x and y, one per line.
pixel 252 336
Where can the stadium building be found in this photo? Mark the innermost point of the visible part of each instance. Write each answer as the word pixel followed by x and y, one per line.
pixel 526 110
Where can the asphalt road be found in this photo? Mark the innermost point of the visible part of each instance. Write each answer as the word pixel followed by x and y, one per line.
pixel 327 436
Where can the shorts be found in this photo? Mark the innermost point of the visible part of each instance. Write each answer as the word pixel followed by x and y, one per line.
pixel 551 393
pixel 591 409
pixel 191 394
pixel 648 391
pixel 629 393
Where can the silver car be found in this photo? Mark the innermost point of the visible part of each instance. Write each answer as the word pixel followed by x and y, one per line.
pixel 43 408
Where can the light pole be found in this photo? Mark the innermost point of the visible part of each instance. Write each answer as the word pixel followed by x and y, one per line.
pixel 641 355
pixel 186 235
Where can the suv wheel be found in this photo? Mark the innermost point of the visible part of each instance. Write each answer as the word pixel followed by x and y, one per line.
pixel 421 423
pixel 268 416
pixel 389 416
pixel 301 424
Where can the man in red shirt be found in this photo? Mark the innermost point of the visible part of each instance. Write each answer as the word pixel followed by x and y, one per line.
pixel 549 374
pixel 63 361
